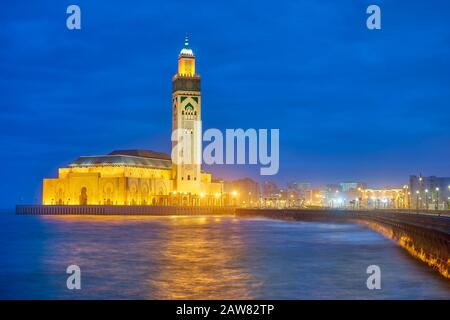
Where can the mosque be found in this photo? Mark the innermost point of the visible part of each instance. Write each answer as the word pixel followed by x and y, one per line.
pixel 143 177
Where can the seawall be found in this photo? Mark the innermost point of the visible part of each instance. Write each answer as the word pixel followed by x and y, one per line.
pixel 122 210
pixel 426 237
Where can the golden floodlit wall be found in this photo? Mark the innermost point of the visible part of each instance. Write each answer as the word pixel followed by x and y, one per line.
pixel 122 185
pixel 186 66
pixel 107 185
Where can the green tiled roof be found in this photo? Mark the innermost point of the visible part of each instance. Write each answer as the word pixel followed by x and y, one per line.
pixel 146 159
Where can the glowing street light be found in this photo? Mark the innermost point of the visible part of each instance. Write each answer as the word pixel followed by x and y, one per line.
pixel 417 199
pixel 437 198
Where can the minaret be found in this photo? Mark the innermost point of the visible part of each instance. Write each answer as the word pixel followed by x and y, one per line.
pixel 186 116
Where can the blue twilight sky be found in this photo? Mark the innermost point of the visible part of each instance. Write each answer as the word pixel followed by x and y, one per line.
pixel 351 104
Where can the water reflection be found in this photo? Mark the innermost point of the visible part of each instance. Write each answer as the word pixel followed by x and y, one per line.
pixel 174 257
pixel 202 258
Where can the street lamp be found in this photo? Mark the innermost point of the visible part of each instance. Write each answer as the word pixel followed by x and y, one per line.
pixel 437 198
pixel 409 200
pixel 417 199
pixel 448 199
pixel 217 196
pixel 234 194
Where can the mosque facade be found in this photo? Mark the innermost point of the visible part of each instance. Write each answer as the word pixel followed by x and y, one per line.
pixel 144 177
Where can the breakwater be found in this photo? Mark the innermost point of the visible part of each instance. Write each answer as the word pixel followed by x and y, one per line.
pixel 122 210
pixel 424 236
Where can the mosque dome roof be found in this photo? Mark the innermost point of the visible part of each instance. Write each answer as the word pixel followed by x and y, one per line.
pixel 186 51
pixel 128 158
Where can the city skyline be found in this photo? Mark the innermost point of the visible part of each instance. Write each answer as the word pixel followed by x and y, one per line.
pixel 348 108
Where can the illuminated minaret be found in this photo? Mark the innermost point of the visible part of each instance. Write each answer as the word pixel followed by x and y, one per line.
pixel 186 121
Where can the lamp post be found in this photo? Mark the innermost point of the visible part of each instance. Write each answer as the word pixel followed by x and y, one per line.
pixel 448 198
pixel 337 201
pixel 405 196
pixel 234 195
pixel 426 198
pixel 437 199
pixel 218 198
pixel 421 184
pixel 417 200
pixel 409 200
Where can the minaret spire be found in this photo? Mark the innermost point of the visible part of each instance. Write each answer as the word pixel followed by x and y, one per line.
pixel 186 124
pixel 186 51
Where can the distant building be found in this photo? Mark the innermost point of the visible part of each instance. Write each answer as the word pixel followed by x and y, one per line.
pixel 356 195
pixel 382 198
pixel 429 193
pixel 332 196
pixel 270 189
pixel 299 186
pixel 298 193
pixel 314 197
pixel 348 186
pixel 271 195
pixel 242 192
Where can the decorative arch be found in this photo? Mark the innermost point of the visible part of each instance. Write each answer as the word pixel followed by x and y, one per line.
pixel 59 195
pixel 108 193
pixel 145 191
pixel 83 196
pixel 161 188
pixel 189 107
